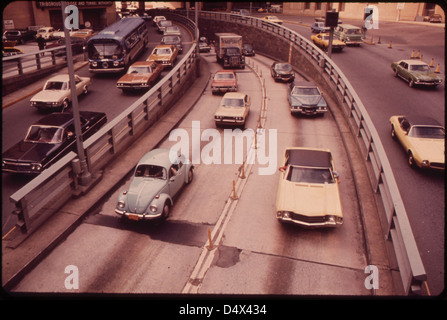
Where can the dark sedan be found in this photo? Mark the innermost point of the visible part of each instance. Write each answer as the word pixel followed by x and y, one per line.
pixel 282 71
pixel 48 140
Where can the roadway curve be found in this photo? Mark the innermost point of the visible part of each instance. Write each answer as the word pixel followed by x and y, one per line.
pixel 251 252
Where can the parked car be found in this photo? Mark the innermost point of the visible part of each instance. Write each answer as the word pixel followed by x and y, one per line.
pixel 48 140
pixel 155 183
pixel 77 46
pixel 140 75
pixel 162 24
pixel 306 98
pixel 56 93
pixel 308 194
pixel 415 72
pixel 322 40
pixel 273 19
pixel 45 33
pixel 224 81
pixel 247 49
pixel 164 54
pixel 174 40
pixel 423 140
pixel 172 30
pixel 435 18
pixel 11 51
pixel 204 46
pixel 83 33
pixel 19 35
pixel 349 34
pixel 282 71
pixel 318 27
pixel 233 109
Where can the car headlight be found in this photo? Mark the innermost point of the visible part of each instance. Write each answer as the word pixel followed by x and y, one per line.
pixel 121 204
pixel 36 166
pixel 116 63
pixel 425 163
pixel 95 64
pixel 153 208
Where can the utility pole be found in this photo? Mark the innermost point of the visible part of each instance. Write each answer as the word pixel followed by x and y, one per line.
pixel 84 176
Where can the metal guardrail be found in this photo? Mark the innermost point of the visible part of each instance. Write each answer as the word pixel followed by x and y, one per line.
pixel 49 191
pixel 398 228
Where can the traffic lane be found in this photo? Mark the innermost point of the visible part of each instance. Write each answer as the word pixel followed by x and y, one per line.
pixel 103 96
pixel 146 257
pixel 368 68
pixel 384 96
pixel 261 256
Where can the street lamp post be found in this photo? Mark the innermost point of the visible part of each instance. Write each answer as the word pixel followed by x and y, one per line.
pixel 84 176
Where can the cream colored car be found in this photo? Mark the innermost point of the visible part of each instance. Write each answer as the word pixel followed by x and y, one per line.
pixel 422 138
pixel 308 193
pixel 56 93
pixel 233 109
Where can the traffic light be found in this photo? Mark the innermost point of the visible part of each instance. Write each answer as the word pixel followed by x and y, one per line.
pixel 331 19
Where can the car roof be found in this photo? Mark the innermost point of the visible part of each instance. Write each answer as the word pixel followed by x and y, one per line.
pixel 234 95
pixel 306 84
pixel 421 120
pixel 159 157
pixel 224 71
pixel 143 63
pixel 307 157
pixel 414 62
pixel 59 77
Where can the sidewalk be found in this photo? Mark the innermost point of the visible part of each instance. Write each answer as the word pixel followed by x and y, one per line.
pixel 17 262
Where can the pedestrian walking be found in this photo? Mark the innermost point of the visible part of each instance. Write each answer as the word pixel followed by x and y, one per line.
pixel 41 44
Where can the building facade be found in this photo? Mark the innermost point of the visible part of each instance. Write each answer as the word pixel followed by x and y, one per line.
pixel 388 11
pixel 92 14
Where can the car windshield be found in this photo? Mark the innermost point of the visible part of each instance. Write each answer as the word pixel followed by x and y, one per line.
pixel 56 85
pixel 354 31
pixel 283 67
pixel 146 69
pixel 165 23
pixel 160 51
pixel 232 102
pixel 419 68
pixel 151 171
pixel 233 51
pixel 106 49
pixel 325 37
pixel 309 175
pixel 172 29
pixel 44 134
pixel 427 132
pixel 224 76
pixel 171 39
pixel 305 91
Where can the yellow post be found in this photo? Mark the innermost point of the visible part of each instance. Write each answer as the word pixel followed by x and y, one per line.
pixel 437 69
pixel 418 54
pixel 412 54
pixel 209 238
pixel 390 45
pixel 234 196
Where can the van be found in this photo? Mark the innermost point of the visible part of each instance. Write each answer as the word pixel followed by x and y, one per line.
pixel 349 34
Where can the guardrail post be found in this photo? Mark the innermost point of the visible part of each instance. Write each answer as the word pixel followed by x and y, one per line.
pixel 38 61
pixel 20 66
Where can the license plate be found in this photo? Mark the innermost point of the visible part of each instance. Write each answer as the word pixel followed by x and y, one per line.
pixel 133 217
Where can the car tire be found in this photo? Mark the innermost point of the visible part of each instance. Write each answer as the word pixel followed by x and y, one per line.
pixel 166 210
pixel 393 133
pixel 65 104
pixel 190 176
pixel 411 83
pixel 411 160
pixel 396 73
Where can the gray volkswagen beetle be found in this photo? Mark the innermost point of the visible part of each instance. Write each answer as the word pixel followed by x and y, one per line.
pixel 156 181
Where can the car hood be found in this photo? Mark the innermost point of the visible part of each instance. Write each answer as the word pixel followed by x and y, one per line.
pixel 430 149
pixel 225 83
pixel 30 152
pixel 155 57
pixel 309 199
pixel 135 77
pixel 425 76
pixel 230 111
pixel 141 193
pixel 307 100
pixel 50 95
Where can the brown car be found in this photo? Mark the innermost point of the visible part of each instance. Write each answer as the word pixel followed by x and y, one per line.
pixel 164 54
pixel 141 75
pixel 224 81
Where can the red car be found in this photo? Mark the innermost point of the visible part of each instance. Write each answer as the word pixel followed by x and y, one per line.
pixel 224 81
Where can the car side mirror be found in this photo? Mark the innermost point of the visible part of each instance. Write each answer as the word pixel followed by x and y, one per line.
pixel 282 169
pixel 172 179
pixel 336 176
